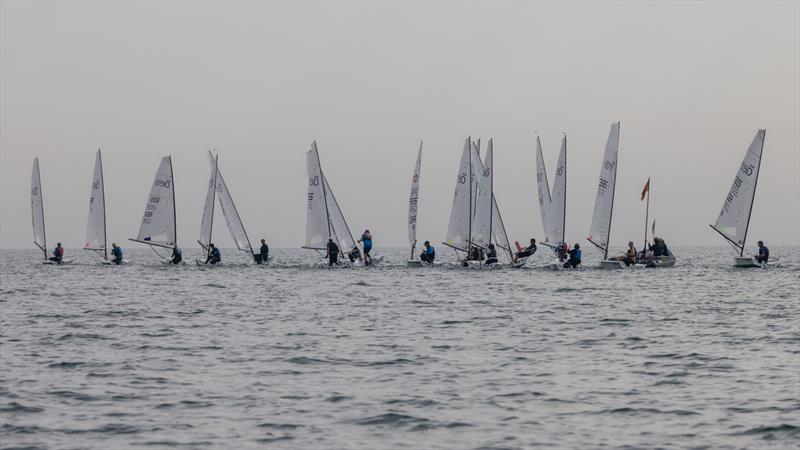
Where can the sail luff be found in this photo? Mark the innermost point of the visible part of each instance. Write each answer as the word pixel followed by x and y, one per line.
pixel 557 210
pixel 103 189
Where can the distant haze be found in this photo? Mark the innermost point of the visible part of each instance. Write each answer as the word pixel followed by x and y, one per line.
pixel 690 82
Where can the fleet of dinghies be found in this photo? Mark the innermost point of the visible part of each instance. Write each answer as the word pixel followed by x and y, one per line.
pixel 475 232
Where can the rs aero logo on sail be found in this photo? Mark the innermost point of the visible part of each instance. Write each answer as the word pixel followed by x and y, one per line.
pixel 163 183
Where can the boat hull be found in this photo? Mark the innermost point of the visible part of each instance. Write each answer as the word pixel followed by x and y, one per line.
pixel 745 261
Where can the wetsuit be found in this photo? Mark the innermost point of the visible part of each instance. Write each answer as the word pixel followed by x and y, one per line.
pixel 428 255
pixel 491 257
pixel 177 256
pixel 763 255
pixel 117 252
pixel 527 251
pixel 263 255
pixel 58 254
pixel 214 257
pixel 574 258
pixel 366 239
pixel 333 253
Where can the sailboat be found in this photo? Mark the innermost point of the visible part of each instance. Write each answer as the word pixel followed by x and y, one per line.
pixel 217 188
pixel 734 218
pixel 96 239
pixel 488 226
pixel 412 211
pixel 553 206
pixel 648 259
pixel 158 227
pixel 37 212
pixel 600 231
pixel 324 218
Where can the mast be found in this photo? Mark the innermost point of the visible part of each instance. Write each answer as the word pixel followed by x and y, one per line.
pixel 469 233
pixel 213 197
pixel 646 217
pixel 324 194
pixel 752 199
pixel 174 214
pixel 613 194
pixel 41 207
pixel 564 224
pixel 491 189
pixel 103 185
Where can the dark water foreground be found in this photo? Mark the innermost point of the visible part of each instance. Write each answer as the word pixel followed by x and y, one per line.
pixel 146 356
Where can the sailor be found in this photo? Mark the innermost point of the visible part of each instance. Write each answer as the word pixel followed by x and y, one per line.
pixel 213 255
pixel 366 239
pixel 117 253
pixel 659 248
pixel 527 251
pixel 763 253
pixel 354 255
pixel 630 255
pixel 574 257
pixel 177 256
pixel 428 253
pixel 58 253
pixel 333 252
pixel 491 258
pixel 263 255
pixel 562 251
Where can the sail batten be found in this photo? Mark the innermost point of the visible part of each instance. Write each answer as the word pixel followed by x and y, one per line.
pixel 604 202
pixel 734 218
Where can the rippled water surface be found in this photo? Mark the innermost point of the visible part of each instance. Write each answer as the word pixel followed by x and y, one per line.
pixel 150 356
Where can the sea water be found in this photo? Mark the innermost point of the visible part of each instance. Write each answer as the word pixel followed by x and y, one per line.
pixel 294 356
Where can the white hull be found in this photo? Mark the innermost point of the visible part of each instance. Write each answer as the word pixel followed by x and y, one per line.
pixel 610 264
pixel 747 261
pixel 520 262
pixel 60 263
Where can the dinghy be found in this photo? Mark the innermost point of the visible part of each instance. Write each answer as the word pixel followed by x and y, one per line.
pixel 324 218
pixel 459 229
pixel 488 226
pixel 96 239
pixel 604 202
pixel 412 211
pixel 649 260
pixel 218 189
pixel 37 211
pixel 553 208
pixel 158 229
pixel 734 218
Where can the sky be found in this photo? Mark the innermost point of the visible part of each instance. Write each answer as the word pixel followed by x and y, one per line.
pixel 691 83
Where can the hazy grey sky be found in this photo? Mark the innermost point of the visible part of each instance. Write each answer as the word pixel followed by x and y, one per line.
pixel 690 82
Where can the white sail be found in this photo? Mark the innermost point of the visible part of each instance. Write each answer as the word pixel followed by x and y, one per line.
pixel 318 229
pixel 96 222
pixel 412 201
pixel 476 169
pixel 482 224
pixel 37 208
pixel 459 228
pixel 604 202
pixel 543 188
pixel 341 232
pixel 558 201
pixel 232 218
pixel 207 222
pixel 734 218
pixel 158 222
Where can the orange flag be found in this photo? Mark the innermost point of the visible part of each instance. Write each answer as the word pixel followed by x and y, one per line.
pixel 646 188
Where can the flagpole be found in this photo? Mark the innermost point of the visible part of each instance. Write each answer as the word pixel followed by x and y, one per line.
pixel 646 218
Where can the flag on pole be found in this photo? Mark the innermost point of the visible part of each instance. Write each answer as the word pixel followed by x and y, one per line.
pixel 646 188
